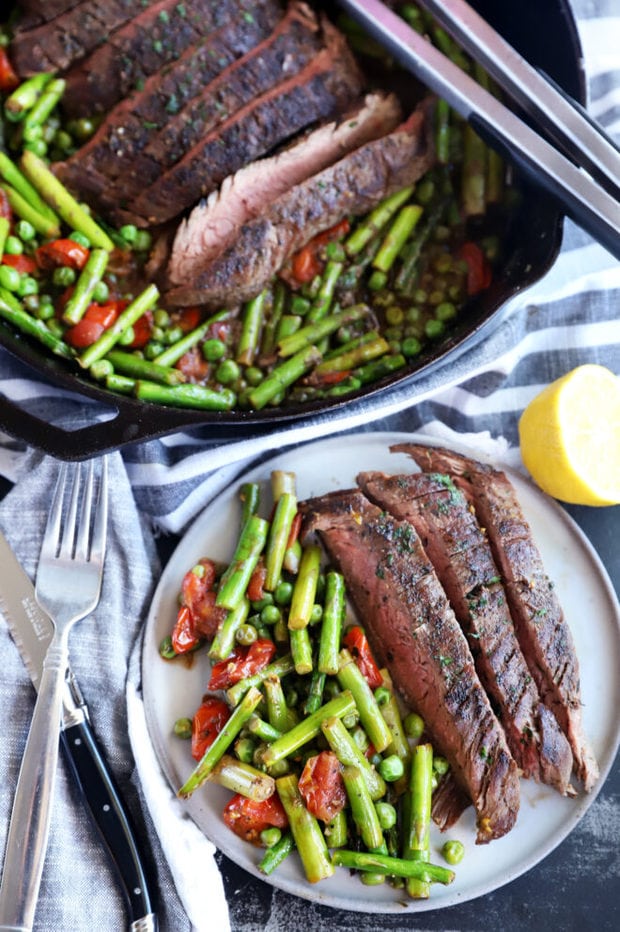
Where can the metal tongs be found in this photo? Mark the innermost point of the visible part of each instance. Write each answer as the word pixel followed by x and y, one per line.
pixel 570 156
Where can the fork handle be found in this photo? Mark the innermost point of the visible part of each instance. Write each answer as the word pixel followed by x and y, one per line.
pixel 30 819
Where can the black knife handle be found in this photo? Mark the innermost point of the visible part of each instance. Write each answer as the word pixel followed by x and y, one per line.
pixel 99 793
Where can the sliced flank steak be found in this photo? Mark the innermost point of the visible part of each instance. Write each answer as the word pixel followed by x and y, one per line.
pixel 58 43
pixel 155 37
pixel 327 85
pixel 113 152
pixel 215 223
pixel 413 631
pixel 351 186
pixel 284 53
pixel 461 556
pixel 33 13
pixel 542 629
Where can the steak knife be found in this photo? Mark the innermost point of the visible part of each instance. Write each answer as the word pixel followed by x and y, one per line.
pixel 32 631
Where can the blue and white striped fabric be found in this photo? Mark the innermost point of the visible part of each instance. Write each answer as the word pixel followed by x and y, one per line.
pixel 568 318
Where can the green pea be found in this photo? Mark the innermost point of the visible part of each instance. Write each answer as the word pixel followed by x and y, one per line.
pixel 414 725
pixel 382 695
pixel 31 303
pixel 245 749
pixel 283 593
pixel 25 231
pixel 101 369
pixel 391 768
pixel 127 337
pixel 183 728
pixel 253 375
pixel 13 246
pixel 411 346
pixel 394 315
pixel 153 349
pixel 270 836
pixel 445 311
pixel 45 310
pixel 300 305
pixel 453 851
pixel 440 765
pixel 270 615
pixel 173 335
pixel 63 140
pixel 434 329
pixel 279 769
pixel 227 372
pixel 27 285
pixel 38 146
pixel 101 292
pixel 64 276
pixel 316 615
pixel 259 604
pixel 246 634
pixel 158 334
pixel 161 317
pixel 84 128
pixel 9 278
pixel 143 241
pixel 377 280
pixel 386 814
pixel 213 349
pixel 129 233
pixel 80 238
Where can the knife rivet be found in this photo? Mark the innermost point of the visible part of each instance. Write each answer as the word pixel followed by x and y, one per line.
pixel 77 742
pixel 106 807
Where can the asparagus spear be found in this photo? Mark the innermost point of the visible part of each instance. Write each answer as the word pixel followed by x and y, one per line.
pixel 135 367
pixel 305 830
pixel 126 319
pixel 279 532
pixel 251 326
pixel 277 853
pixel 416 826
pixel 301 649
pixel 304 591
pixel 397 236
pixel 376 220
pixel 224 641
pixel 362 808
pixel 395 867
pixel 283 376
pixel 314 332
pixel 351 678
pixel 186 396
pixel 24 97
pixel 234 582
pixel 89 278
pixel 11 310
pixel 307 729
pixel 279 667
pixel 331 629
pixel 173 353
pixel 350 755
pixel 242 778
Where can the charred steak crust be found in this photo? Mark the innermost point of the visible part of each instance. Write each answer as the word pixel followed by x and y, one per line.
pixel 414 632
pixel 351 186
pixel 111 164
pixel 154 38
pixel 214 224
pixel 461 556
pixel 290 48
pixel 327 85
pixel 542 630
pixel 64 39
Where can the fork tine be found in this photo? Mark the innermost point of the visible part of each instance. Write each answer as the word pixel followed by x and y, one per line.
pixel 70 524
pixel 83 534
pixel 97 547
pixel 51 537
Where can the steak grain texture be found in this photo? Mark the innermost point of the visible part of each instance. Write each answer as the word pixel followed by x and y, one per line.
pixel 542 629
pixel 350 187
pixel 462 558
pixel 413 631
pixel 214 224
pixel 326 86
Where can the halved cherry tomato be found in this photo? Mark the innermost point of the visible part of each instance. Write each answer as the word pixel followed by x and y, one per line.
pixel 104 314
pixel 189 318
pixel 193 365
pixel 207 723
pixel 357 643
pixel 322 787
pixel 184 637
pixel 244 661
pixel 330 378
pixel 142 330
pixel 84 333
pixel 479 274
pixel 306 264
pixel 198 595
pixel 8 78
pixel 255 591
pixel 247 818
pixel 62 252
pixel 23 264
pixel 293 534
pixel 6 210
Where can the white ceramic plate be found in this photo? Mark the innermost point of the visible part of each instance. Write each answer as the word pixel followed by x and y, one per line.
pixel 173 690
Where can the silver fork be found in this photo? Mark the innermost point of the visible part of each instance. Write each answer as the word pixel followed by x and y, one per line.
pixel 68 587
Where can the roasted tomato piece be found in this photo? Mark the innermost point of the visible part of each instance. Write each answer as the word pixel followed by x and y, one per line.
pixel 207 723
pixel 142 330
pixel 193 365
pixel 84 333
pixel 244 661
pixel 198 594
pixel 104 314
pixel 322 787
pixel 23 264
pixel 479 273
pixel 8 77
pixel 357 643
pixel 255 590
pixel 184 637
pixel 248 818
pixel 62 252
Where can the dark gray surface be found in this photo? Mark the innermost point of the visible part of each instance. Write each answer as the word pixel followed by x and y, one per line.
pixel 577 887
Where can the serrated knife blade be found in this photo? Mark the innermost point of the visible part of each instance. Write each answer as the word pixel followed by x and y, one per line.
pixel 32 632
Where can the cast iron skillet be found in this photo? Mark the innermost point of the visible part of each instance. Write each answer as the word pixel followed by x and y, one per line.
pixel 545 33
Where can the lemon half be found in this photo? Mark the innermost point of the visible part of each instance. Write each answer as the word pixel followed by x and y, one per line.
pixel 570 437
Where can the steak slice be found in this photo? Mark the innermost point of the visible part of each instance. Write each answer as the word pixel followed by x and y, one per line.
pixel 542 630
pixel 290 48
pixel 352 186
pixel 215 223
pixel 155 37
pixel 461 555
pixel 56 44
pixel 115 148
pixel 34 12
pixel 327 85
pixel 413 631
